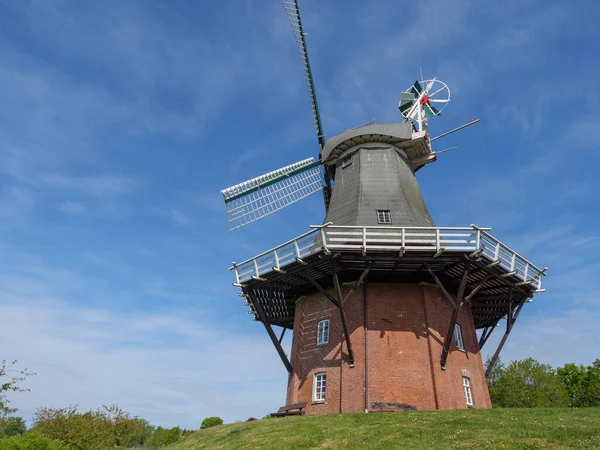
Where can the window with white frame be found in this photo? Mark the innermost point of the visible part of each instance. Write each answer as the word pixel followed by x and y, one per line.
pixel 320 386
pixel 323 332
pixel 458 337
pixel 467 388
pixel 384 216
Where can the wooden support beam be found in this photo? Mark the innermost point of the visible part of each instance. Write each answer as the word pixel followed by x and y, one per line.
pixel 458 302
pixel 265 320
pixel 510 321
pixel 440 285
pixel 282 334
pixel 319 288
pixel 498 277
pixel 487 332
pixel 476 288
pixel 336 283
pixel 362 277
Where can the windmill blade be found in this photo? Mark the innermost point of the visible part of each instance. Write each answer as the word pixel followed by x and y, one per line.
pixel 254 199
pixel 293 11
pixel 430 110
pixel 417 88
pixel 406 101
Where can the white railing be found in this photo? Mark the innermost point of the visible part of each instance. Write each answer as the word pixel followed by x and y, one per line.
pixel 436 241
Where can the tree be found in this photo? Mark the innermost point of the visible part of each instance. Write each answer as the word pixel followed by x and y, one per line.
pixel 13 426
pixel 493 378
pixel 573 378
pixel 592 384
pixel 529 384
pixel 211 422
pixel 103 428
pixel 163 437
pixel 10 381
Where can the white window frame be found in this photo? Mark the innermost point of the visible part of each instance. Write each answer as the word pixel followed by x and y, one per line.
pixel 319 387
pixel 323 332
pixel 458 337
pixel 467 388
pixel 384 216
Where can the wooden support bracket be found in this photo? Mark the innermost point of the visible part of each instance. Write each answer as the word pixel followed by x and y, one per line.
pixel 265 320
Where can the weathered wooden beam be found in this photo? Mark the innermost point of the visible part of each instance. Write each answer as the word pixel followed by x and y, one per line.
pixel 440 285
pixel 498 277
pixel 511 318
pixel 457 305
pixel 336 283
pixel 282 334
pixel 319 288
pixel 265 320
pixel 476 289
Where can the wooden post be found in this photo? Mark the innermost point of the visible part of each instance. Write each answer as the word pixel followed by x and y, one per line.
pixel 336 282
pixel 262 315
pixel 511 318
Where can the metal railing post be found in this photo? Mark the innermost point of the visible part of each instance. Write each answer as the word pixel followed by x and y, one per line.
pixel 297 248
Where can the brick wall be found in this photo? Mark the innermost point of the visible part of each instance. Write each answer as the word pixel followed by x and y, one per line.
pixel 407 324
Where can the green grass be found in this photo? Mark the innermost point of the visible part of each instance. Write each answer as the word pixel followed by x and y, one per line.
pixel 549 428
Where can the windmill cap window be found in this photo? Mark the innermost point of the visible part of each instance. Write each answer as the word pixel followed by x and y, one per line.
pixel 384 216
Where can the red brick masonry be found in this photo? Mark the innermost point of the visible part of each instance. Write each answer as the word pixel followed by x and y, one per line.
pixel 406 325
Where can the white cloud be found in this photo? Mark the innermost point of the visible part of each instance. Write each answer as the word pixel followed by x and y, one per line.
pixel 169 368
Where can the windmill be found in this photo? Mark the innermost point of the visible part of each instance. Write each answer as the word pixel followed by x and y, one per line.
pixel 384 305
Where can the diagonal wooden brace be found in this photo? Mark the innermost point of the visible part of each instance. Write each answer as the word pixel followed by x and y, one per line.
pixel 319 288
pixel 457 302
pixel 336 283
pixel 262 315
pixel 511 317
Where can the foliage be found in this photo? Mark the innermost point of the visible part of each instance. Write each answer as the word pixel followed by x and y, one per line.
pixel 528 384
pixel 551 428
pixel 211 422
pixel 93 430
pixel 146 430
pixel 581 383
pixel 10 381
pixel 12 426
pixel 31 441
pixel 163 437
pixel 494 376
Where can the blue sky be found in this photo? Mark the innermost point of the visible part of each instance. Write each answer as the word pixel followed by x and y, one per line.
pixel 120 121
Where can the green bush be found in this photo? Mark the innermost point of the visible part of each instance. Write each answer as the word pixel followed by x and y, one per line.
pixel 31 441
pixel 93 430
pixel 12 426
pixel 211 422
pixel 163 437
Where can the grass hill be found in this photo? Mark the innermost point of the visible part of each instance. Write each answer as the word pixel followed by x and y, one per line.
pixel 549 428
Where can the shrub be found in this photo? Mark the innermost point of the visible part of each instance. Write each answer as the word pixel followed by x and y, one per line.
pixel 163 437
pixel 211 422
pixel 12 426
pixel 92 430
pixel 31 441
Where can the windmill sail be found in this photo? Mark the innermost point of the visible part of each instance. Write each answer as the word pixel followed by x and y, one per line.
pixel 254 199
pixel 293 11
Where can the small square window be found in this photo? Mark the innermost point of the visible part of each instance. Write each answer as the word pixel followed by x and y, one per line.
pixel 323 332
pixel 346 161
pixel 320 386
pixel 458 337
pixel 384 216
pixel 467 388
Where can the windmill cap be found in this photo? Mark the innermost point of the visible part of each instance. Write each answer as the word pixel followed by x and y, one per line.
pixel 392 133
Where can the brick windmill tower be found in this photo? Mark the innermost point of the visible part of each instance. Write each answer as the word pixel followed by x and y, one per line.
pixel 384 305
